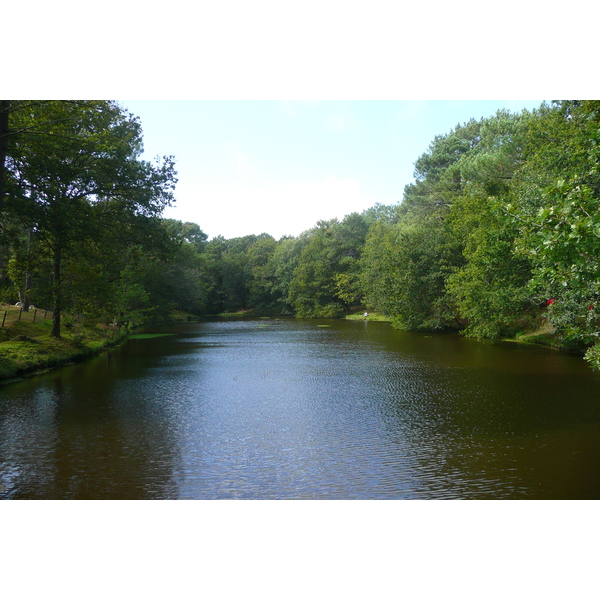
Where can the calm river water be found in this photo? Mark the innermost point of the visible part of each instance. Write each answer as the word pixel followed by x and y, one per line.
pixel 285 408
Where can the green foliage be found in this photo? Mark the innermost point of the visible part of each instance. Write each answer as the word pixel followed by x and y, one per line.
pixel 283 263
pixel 592 356
pixel 325 280
pixel 501 218
pixel 75 173
pixel 312 290
pixel 490 289
pixel 402 273
pixel 407 261
pixel 241 273
pixel 558 213
pixel 381 268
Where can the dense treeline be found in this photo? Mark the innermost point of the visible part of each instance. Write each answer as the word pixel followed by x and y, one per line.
pixel 499 233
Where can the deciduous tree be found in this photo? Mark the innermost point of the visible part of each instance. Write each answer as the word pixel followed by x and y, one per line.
pixel 77 168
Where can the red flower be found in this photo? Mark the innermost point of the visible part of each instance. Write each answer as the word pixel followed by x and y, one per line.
pixel 551 301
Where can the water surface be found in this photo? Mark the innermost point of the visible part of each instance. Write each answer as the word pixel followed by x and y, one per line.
pixel 293 409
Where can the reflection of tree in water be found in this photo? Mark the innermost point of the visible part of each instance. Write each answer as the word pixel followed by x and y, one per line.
pixel 481 428
pixel 27 439
pixel 109 440
pixel 113 442
pixel 301 411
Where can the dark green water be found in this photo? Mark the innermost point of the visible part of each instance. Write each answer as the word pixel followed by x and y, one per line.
pixel 277 409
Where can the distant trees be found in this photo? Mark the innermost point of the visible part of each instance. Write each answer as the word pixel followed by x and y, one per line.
pixel 325 280
pixel 312 291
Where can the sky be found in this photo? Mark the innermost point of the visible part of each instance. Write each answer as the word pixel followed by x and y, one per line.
pixel 279 167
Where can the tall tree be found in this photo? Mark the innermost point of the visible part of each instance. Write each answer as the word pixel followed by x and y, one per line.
pixel 407 259
pixel 559 217
pixel 4 133
pixel 77 168
pixel 490 289
pixel 325 280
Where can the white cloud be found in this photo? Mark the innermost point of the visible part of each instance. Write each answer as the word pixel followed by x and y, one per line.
pixel 277 209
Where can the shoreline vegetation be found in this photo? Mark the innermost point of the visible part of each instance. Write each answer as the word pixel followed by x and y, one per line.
pixel 27 349
pixel 497 239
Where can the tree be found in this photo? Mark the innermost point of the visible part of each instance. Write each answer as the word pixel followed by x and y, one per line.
pixel 263 294
pixel 325 280
pixel 179 280
pixel 490 288
pixel 312 290
pixel 403 272
pixel 4 133
pixel 236 272
pixel 560 223
pixel 407 259
pixel 23 263
pixel 77 170
pixel 282 264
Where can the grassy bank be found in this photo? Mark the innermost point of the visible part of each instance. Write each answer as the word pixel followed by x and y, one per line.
pixel 540 333
pixel 179 316
pixel 546 335
pixel 27 348
pixel 360 316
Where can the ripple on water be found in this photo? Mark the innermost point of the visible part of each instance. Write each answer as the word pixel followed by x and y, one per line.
pixel 287 409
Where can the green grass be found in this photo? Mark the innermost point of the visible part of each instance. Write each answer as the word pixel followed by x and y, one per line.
pixel 27 347
pixel 11 315
pixel 246 312
pixel 180 316
pixel 544 334
pixel 146 336
pixel 360 316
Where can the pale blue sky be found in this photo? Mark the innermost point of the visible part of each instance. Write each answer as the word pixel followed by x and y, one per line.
pixel 278 167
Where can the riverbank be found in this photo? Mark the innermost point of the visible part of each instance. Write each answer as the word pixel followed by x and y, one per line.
pixel 27 349
pixel 545 335
pixel 542 334
pixel 360 316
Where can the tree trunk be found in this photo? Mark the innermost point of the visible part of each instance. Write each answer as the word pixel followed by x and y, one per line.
pixel 56 294
pixel 4 112
pixel 24 293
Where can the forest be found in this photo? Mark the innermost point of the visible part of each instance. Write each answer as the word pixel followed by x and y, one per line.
pixel 497 237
